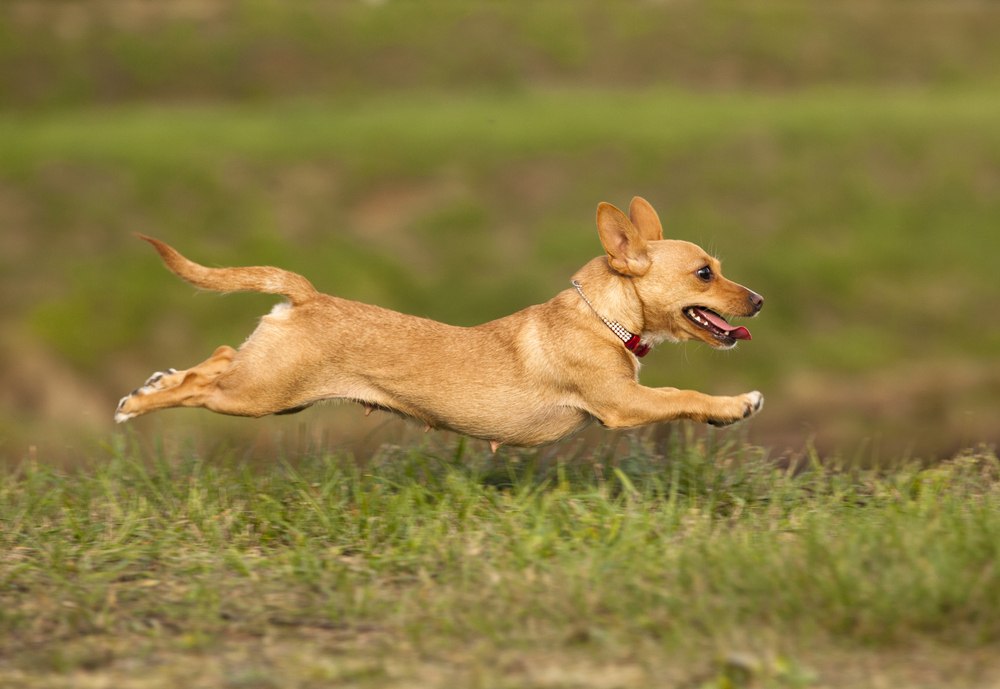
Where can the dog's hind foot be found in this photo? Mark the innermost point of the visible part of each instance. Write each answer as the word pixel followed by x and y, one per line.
pixel 161 380
pixel 121 415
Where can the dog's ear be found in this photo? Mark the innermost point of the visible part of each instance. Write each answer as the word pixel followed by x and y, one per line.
pixel 645 219
pixel 624 244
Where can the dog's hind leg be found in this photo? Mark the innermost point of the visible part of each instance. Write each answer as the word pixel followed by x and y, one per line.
pixel 171 388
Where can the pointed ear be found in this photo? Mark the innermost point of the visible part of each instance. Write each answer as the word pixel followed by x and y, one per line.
pixel 623 243
pixel 645 219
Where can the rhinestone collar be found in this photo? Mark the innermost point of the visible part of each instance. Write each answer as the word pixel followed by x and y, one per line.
pixel 632 342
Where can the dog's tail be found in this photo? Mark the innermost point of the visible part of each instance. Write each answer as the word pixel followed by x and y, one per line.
pixel 251 279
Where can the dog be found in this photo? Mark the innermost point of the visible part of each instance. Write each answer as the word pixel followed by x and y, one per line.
pixel 527 379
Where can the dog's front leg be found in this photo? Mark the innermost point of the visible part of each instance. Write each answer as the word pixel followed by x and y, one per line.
pixel 634 405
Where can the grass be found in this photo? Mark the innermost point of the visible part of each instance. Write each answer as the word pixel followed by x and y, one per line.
pixel 445 160
pixel 681 560
pixel 254 50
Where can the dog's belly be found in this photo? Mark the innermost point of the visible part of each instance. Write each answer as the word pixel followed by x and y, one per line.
pixel 518 422
pixel 524 427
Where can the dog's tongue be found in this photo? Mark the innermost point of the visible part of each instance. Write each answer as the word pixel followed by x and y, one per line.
pixel 737 333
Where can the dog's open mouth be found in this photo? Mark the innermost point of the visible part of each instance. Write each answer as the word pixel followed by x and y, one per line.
pixel 716 325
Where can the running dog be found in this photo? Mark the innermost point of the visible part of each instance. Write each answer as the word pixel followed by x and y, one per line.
pixel 526 379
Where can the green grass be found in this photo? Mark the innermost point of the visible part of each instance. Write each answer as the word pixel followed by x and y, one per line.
pixel 697 561
pixel 445 160
pixel 260 49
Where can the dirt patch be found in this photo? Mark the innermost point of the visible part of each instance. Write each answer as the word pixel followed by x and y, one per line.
pixel 932 408
pixel 39 384
pixel 376 659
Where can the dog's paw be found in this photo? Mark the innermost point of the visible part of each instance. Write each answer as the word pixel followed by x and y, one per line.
pixel 158 381
pixel 746 406
pixel 122 412
pixel 128 405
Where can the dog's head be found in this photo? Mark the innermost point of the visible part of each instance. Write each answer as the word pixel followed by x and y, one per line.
pixel 681 288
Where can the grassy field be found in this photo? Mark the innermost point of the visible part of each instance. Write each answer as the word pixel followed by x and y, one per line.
pixel 679 563
pixel 446 160
pixel 57 55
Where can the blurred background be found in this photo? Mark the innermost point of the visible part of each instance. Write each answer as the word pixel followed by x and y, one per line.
pixel 446 158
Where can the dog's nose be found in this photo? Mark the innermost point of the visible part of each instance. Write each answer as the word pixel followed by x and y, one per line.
pixel 756 301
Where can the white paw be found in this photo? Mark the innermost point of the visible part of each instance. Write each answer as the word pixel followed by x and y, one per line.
pixel 752 402
pixel 120 415
pixel 157 381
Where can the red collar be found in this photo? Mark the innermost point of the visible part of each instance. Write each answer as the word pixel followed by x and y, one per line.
pixel 632 342
pixel 635 345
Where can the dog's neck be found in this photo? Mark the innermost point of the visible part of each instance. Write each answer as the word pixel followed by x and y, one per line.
pixel 632 342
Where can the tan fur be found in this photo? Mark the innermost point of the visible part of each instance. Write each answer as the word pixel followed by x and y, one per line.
pixel 529 378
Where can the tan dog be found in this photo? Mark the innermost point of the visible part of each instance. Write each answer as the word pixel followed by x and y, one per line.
pixel 529 378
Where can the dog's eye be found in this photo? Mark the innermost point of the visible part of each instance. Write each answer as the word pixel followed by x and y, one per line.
pixel 704 274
